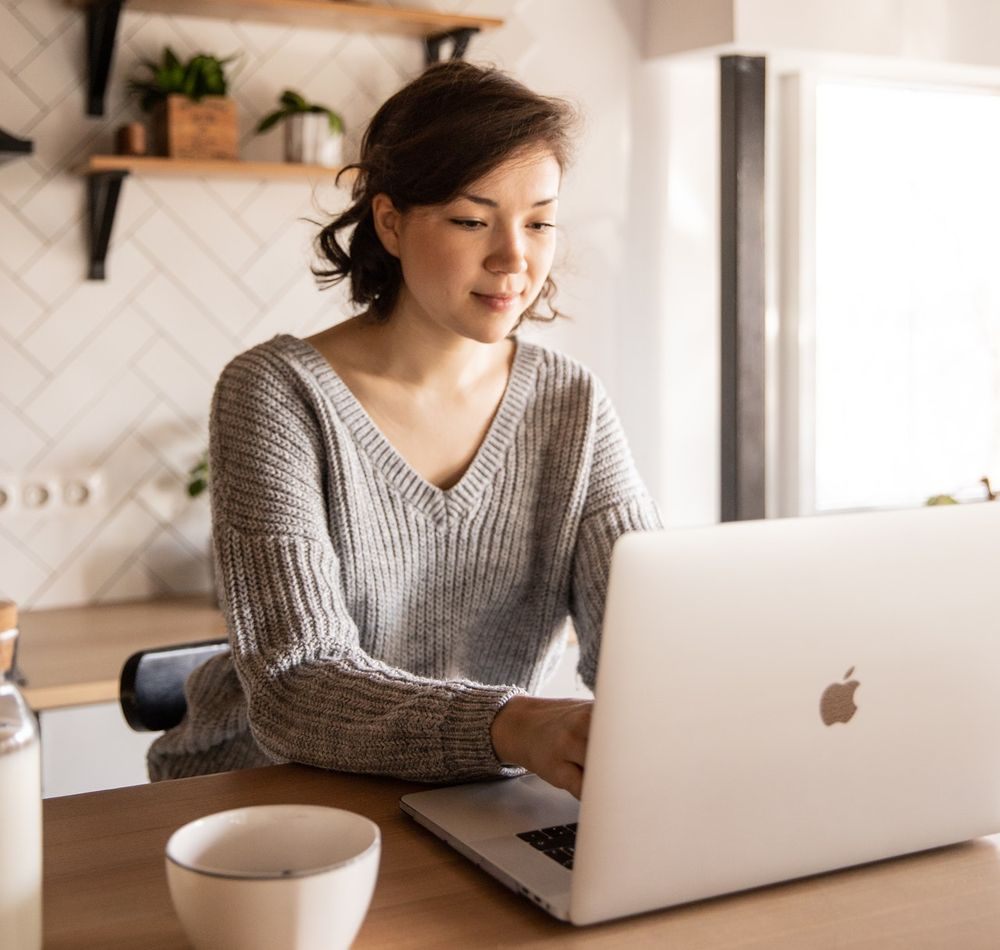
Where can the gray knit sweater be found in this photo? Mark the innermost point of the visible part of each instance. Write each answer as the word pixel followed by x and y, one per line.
pixel 377 623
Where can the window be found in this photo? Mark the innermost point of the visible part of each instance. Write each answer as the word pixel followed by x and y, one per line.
pixel 896 306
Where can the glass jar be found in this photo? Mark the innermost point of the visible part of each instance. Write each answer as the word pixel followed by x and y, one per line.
pixel 20 804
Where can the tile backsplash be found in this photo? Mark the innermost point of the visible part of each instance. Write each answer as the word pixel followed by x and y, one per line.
pixel 107 384
pixel 110 381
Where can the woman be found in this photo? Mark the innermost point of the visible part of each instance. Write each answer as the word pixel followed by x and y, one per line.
pixel 408 505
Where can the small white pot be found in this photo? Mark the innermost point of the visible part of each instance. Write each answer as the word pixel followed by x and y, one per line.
pixel 309 141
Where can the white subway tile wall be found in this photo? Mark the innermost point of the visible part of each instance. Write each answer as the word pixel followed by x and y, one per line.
pixel 114 377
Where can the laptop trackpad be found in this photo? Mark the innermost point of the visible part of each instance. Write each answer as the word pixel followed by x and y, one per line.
pixel 482 821
pixel 489 809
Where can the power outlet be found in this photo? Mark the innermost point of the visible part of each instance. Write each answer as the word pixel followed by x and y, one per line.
pixel 9 493
pixel 40 494
pixel 43 493
pixel 83 490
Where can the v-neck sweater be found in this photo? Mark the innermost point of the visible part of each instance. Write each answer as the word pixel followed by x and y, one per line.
pixel 377 622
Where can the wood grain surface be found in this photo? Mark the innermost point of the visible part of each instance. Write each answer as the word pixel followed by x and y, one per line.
pixel 330 14
pixel 105 884
pixel 73 656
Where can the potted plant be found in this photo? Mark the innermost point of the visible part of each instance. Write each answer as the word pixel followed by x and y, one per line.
pixel 991 495
pixel 192 115
pixel 314 134
pixel 198 476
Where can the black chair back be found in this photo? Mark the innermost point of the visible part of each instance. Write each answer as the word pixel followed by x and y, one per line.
pixel 151 688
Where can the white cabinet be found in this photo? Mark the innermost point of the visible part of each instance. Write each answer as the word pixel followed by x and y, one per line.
pixel 87 748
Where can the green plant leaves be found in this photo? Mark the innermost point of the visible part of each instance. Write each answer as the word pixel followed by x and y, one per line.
pixel 336 123
pixel 202 75
pixel 205 75
pixel 271 120
pixel 294 103
pixel 198 476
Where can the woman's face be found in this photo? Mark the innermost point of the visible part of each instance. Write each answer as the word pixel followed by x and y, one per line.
pixel 474 265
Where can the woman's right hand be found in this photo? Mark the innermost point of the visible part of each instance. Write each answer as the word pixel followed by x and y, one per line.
pixel 546 736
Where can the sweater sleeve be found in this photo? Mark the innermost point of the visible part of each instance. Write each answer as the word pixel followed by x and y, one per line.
pixel 313 694
pixel 616 502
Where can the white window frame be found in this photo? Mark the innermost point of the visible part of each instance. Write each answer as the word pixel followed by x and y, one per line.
pixel 791 390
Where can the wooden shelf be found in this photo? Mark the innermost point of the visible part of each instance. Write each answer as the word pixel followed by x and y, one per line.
pixel 328 14
pixel 436 29
pixel 186 168
pixel 105 174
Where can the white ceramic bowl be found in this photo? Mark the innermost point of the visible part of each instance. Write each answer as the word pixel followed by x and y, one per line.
pixel 296 877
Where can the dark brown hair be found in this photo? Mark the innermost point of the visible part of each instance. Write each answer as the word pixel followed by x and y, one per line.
pixel 448 128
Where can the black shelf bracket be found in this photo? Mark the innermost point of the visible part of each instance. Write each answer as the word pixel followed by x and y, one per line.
pixel 102 26
pixel 13 147
pixel 459 39
pixel 103 189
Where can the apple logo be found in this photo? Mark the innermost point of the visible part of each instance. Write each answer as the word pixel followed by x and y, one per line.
pixel 837 702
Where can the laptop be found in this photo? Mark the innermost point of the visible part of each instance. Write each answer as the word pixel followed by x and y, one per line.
pixel 774 699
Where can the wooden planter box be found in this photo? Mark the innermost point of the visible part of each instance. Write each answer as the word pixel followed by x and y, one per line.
pixel 183 128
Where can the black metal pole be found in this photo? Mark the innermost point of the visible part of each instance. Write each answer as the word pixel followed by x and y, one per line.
pixel 742 288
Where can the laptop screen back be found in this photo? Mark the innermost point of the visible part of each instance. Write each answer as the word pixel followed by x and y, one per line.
pixel 780 698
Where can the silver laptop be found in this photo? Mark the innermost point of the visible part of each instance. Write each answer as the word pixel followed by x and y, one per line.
pixel 774 699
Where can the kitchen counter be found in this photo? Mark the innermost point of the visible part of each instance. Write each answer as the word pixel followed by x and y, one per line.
pixel 72 656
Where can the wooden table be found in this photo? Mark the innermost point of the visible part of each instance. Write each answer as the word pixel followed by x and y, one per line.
pixel 72 656
pixel 105 884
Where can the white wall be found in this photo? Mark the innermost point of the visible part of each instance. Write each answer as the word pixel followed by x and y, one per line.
pixel 114 378
pixel 671 340
pixel 952 31
pixel 947 31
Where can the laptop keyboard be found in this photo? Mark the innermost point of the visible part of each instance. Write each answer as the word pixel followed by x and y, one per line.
pixel 558 842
